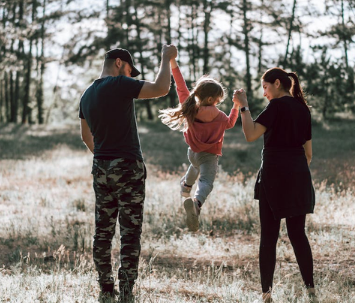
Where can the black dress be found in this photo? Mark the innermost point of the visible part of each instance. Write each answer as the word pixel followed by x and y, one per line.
pixel 284 180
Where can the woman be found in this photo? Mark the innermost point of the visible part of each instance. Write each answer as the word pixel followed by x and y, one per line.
pixel 284 186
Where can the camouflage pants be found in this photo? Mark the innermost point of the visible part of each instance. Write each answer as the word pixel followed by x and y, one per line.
pixel 119 186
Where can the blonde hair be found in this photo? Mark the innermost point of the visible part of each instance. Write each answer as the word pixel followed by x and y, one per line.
pixel 206 91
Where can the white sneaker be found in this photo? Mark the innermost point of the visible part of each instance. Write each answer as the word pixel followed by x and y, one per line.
pixel 192 212
pixel 184 190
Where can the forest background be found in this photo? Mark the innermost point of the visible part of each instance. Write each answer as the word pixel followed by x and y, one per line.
pixel 51 50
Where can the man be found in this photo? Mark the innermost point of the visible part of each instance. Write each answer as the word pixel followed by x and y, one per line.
pixel 109 130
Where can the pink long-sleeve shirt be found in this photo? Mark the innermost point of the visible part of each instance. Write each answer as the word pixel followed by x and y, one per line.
pixel 207 131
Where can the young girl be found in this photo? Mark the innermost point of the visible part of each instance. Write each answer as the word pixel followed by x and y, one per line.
pixel 203 125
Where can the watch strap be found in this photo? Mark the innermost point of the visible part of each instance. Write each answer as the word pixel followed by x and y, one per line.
pixel 245 108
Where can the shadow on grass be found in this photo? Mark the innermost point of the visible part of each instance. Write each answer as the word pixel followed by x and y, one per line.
pixel 19 142
pixel 161 146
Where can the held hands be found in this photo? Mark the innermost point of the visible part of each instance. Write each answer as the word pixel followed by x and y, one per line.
pixel 240 98
pixel 169 51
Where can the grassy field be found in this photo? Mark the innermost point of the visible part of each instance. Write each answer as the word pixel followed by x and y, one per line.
pixel 47 217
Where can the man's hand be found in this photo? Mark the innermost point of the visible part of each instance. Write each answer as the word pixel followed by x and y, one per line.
pixel 161 85
pixel 169 51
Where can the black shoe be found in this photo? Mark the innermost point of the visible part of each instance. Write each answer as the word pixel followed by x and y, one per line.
pixel 107 294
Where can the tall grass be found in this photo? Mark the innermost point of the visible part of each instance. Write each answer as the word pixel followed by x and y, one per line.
pixel 47 220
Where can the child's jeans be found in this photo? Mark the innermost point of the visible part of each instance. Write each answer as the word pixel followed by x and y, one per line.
pixel 205 165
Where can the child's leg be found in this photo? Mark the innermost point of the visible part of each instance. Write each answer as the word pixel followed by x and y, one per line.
pixel 208 170
pixel 193 170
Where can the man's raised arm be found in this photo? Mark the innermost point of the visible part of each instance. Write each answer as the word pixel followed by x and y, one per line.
pixel 161 85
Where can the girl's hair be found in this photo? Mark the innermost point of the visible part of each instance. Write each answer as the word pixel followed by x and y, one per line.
pixel 293 87
pixel 184 114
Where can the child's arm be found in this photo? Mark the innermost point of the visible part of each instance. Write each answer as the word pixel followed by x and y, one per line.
pixel 181 87
pixel 173 63
pixel 233 116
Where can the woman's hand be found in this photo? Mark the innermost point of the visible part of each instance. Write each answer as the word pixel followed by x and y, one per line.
pixel 240 97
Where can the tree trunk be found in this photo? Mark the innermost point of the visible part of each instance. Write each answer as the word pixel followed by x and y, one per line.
pixel 7 98
pixel 171 95
pixel 192 43
pixel 260 53
pixel 26 98
pixel 206 26
pixel 3 20
pixel 26 111
pixel 127 22
pixel 12 98
pixel 1 100
pixel 344 36
pixel 16 96
pixel 246 31
pixel 13 112
pixel 179 27
pixel 290 33
pixel 141 59
pixel 20 57
pixel 108 24
pixel 40 96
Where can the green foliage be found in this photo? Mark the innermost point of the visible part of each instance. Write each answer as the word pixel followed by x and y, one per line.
pixel 330 85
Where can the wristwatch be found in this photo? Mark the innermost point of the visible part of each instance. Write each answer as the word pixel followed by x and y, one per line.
pixel 243 109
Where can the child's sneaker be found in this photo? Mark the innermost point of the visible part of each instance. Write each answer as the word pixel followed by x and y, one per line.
pixel 192 212
pixel 184 190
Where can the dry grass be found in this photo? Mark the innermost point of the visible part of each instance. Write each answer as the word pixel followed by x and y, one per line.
pixel 47 217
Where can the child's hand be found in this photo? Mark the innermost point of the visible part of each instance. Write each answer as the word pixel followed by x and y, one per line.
pixel 240 97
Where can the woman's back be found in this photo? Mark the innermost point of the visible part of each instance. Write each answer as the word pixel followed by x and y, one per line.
pixel 288 123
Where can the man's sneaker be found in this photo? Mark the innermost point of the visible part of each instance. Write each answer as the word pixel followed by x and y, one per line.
pixel 184 190
pixel 107 293
pixel 126 294
pixel 192 212
pixel 107 297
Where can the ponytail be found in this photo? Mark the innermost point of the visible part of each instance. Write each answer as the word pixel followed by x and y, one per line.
pixel 296 90
pixel 180 117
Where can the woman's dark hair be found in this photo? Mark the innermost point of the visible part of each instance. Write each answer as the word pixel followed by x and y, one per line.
pixel 184 114
pixel 293 87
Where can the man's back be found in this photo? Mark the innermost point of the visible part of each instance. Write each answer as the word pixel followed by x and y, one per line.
pixel 108 108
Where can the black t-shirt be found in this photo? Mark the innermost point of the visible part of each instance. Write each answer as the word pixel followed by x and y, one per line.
pixel 288 123
pixel 107 106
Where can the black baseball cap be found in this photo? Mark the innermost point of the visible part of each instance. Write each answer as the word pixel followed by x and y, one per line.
pixel 124 55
